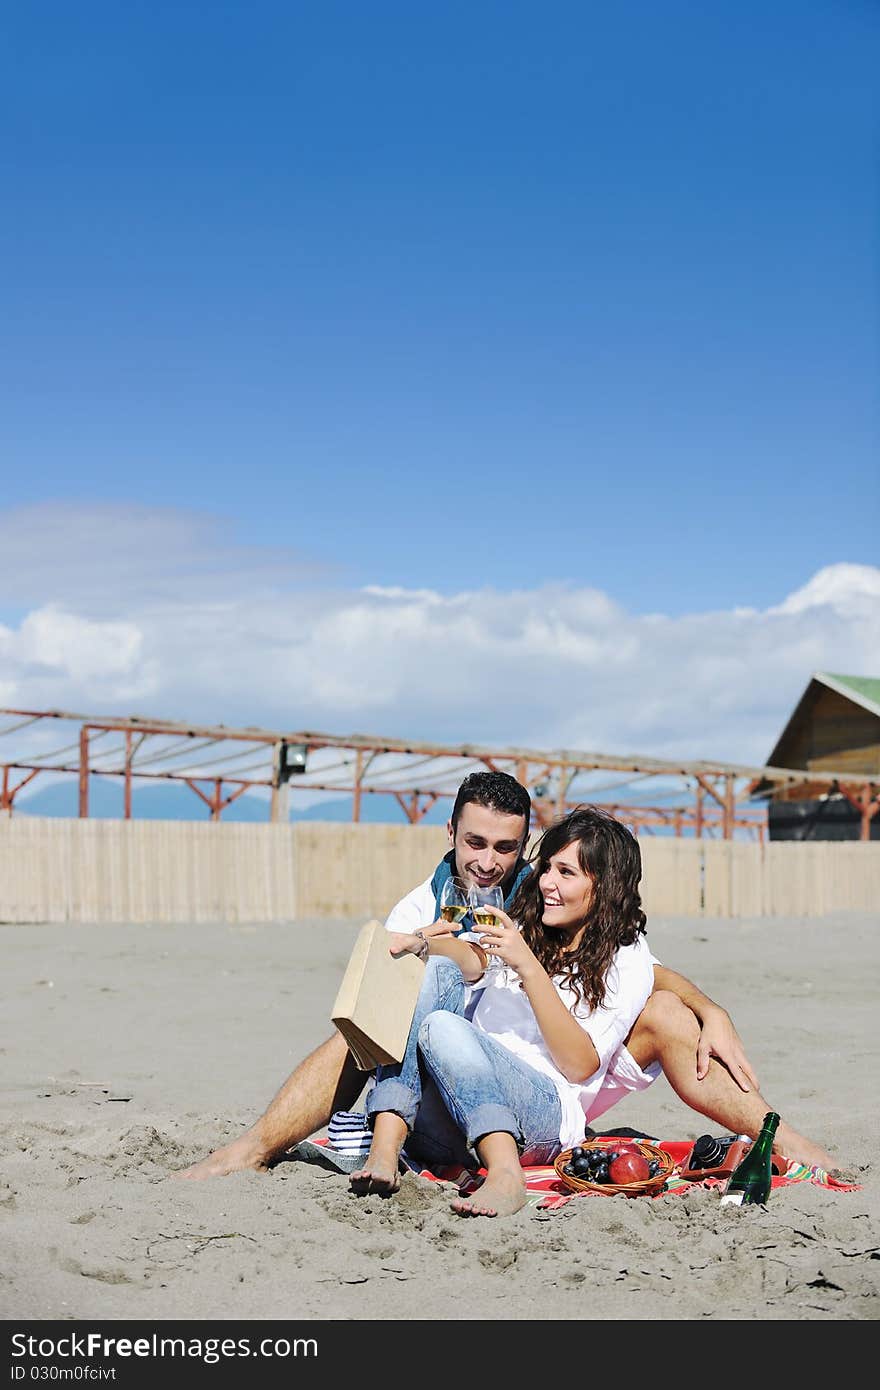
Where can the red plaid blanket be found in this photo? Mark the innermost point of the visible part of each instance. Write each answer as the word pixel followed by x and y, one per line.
pixel 547 1191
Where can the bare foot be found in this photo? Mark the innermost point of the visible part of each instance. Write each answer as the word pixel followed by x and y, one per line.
pixel 379 1174
pixel 789 1144
pixel 502 1193
pixel 241 1154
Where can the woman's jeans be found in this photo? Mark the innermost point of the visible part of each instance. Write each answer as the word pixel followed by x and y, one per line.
pixel 456 1084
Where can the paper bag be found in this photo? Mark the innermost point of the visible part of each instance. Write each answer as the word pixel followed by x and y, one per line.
pixel 377 998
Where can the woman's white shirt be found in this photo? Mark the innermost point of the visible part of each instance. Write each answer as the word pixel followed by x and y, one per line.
pixel 503 1011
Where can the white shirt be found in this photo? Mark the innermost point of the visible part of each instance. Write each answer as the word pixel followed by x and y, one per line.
pixel 503 1012
pixel 415 910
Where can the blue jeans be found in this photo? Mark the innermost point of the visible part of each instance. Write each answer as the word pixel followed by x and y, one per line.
pixel 456 1084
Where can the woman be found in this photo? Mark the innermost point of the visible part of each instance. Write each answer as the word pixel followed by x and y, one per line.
pixel 514 1082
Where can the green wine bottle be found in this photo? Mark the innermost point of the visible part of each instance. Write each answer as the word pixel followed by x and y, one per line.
pixel 750 1179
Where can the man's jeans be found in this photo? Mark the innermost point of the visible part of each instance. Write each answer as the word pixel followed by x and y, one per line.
pixel 456 1084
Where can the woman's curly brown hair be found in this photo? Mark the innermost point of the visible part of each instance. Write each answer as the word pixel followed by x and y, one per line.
pixel 610 854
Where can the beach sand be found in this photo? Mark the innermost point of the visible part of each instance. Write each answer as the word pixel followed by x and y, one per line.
pixel 130 1051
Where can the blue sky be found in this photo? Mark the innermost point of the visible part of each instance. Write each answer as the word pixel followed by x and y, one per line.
pixel 361 322
pixel 581 292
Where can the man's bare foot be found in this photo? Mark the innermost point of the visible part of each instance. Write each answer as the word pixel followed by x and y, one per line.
pixel 241 1154
pixel 379 1174
pixel 788 1143
pixel 502 1193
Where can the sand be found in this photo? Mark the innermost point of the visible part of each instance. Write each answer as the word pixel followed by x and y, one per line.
pixel 129 1051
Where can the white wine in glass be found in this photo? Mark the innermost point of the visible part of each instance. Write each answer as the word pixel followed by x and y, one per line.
pixel 482 901
pixel 454 905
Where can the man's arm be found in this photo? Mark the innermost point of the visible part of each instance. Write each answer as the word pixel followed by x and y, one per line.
pixel 468 956
pixel 718 1037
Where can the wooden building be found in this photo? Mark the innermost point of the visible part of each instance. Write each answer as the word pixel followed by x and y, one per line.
pixel 835 728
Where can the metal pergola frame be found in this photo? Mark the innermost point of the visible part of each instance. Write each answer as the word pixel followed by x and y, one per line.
pixel 710 798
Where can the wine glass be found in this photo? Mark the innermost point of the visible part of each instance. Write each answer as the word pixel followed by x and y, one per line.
pixel 454 903
pixel 482 901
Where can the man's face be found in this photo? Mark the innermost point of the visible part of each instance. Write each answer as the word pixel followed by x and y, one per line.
pixel 487 845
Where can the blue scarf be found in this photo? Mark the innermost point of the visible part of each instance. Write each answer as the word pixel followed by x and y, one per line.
pixel 445 870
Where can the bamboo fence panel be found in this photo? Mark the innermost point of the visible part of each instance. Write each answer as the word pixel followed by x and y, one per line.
pixel 733 879
pixel 671 877
pixel 361 870
pixel 54 870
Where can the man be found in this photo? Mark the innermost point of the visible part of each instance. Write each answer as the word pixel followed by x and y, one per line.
pixel 680 1031
pixel 487 831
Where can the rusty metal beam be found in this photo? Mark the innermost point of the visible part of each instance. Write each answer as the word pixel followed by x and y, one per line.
pixel 727 819
pixel 7 794
pixel 558 769
pixel 492 757
pixel 866 801
pixel 84 771
pixel 198 791
pixel 127 797
pixel 707 786
pixel 358 779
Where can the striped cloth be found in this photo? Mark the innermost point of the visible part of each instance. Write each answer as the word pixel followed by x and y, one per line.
pixel 348 1134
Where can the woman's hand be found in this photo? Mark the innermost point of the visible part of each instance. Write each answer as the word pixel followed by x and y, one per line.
pixel 504 942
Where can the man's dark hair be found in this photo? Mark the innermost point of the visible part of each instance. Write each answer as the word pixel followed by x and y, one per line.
pixel 497 791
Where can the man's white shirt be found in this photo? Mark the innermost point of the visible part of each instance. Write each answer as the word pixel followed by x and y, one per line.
pixel 416 910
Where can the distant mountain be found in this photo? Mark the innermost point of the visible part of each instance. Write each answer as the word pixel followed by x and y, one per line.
pixel 171 802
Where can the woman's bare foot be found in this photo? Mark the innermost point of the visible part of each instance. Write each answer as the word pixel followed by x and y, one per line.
pixel 502 1193
pixel 379 1174
pixel 243 1153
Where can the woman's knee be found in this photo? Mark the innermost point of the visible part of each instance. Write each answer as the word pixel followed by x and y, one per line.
pixel 442 1031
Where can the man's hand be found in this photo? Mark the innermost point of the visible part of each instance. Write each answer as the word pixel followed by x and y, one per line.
pixel 438 928
pixel 719 1038
pixel 402 943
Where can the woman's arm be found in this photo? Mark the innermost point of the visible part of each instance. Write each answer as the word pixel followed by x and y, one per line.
pixel 570 1046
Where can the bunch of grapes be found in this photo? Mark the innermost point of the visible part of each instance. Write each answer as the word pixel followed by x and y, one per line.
pixel 622 1164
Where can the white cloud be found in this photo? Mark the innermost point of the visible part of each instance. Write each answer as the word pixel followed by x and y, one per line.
pixel 845 586
pixel 552 666
pixel 101 554
pixel 55 652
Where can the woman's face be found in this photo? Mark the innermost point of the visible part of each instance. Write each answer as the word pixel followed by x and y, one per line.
pixel 567 891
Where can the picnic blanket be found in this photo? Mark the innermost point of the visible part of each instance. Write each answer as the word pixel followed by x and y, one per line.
pixel 546 1190
pixel 543 1185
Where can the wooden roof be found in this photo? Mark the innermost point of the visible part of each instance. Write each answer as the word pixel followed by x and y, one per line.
pixel 834 726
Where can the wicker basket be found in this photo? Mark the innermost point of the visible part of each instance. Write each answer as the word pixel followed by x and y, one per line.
pixel 610 1189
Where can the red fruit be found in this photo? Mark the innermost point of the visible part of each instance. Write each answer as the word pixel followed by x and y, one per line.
pixel 629 1167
